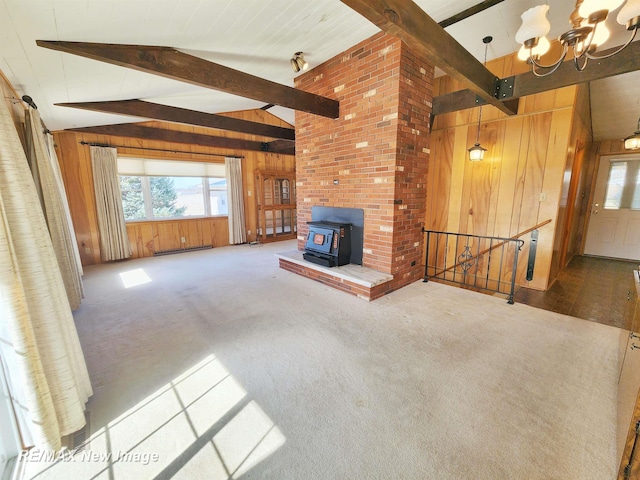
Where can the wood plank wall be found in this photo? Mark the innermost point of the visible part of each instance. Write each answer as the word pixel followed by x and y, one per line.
pixel 525 177
pixel 151 236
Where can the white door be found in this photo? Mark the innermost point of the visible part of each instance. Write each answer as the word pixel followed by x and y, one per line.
pixel 614 225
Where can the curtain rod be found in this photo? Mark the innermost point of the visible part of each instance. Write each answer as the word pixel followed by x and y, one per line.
pixel 93 144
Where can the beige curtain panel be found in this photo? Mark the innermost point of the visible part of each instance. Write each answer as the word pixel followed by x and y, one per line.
pixel 48 378
pixel 48 180
pixel 235 196
pixel 67 211
pixel 114 242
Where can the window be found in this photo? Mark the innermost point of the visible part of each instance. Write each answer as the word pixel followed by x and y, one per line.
pixel 132 197
pixel 171 189
pixel 623 185
pixel 218 196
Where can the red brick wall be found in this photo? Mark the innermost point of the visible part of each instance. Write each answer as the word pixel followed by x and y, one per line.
pixel 377 150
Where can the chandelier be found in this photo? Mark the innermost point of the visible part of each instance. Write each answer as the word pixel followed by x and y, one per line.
pixel 588 32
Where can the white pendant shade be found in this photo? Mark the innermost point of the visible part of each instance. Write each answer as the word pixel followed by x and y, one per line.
pixel 629 11
pixel 543 47
pixel 534 24
pixel 590 6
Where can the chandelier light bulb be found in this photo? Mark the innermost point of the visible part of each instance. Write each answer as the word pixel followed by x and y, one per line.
pixel 538 51
pixel 601 35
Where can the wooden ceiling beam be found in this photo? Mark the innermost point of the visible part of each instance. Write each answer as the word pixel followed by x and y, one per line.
pixel 469 12
pixel 408 22
pixel 528 84
pixel 149 133
pixel 282 146
pixel 171 63
pixel 140 108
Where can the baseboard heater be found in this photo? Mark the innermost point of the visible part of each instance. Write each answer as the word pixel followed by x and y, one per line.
pixel 181 250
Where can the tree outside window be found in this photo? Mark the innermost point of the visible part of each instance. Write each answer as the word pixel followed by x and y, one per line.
pixel 147 198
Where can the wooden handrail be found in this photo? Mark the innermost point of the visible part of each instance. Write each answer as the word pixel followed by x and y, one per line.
pixel 499 244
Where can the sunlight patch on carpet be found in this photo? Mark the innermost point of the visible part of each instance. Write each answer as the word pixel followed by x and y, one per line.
pixel 133 278
pixel 199 422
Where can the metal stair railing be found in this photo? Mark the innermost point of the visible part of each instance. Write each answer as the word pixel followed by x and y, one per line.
pixel 474 261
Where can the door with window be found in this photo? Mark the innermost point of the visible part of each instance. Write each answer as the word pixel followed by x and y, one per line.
pixel 614 225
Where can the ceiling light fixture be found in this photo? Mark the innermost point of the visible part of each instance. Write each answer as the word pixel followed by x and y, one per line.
pixel 632 142
pixel 476 153
pixel 587 34
pixel 298 62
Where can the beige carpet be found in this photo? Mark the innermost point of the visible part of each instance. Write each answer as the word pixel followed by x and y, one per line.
pixel 222 365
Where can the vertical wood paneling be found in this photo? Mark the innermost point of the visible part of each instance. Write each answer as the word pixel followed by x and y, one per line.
pixel 75 163
pixel 147 238
pixel 527 155
pixel 535 169
pixel 520 177
pixel 77 173
pixel 557 151
pixel 508 176
pixel 457 179
pixel 496 141
pixel 439 175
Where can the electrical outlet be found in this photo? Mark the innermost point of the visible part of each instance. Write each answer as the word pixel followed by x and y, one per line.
pixel 183 240
pixel 87 250
pixel 543 196
pixel 248 232
pixel 248 193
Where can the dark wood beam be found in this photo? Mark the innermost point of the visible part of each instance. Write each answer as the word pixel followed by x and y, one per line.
pixel 173 136
pixel 469 12
pixel 171 63
pixel 282 146
pixel 528 84
pixel 455 101
pixel 407 21
pixel 140 108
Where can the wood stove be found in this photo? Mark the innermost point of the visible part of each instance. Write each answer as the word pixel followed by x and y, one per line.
pixel 328 243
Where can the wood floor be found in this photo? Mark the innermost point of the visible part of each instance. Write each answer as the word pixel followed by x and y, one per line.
pixel 591 288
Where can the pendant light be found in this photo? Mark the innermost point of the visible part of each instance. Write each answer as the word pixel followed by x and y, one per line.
pixel 476 153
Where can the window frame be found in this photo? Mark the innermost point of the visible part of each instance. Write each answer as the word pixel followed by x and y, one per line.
pixel 147 199
pixel 630 186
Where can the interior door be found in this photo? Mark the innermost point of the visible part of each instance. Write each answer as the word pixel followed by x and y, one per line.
pixel 614 225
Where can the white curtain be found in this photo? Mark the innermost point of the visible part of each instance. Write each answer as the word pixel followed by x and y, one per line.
pixel 235 196
pixel 114 242
pixel 47 375
pixel 48 180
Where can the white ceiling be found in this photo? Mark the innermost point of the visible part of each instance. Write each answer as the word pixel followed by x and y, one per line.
pixel 254 36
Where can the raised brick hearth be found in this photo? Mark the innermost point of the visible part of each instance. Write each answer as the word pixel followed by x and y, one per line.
pixel 374 156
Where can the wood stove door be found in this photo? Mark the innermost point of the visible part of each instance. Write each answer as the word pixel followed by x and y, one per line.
pixel 320 239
